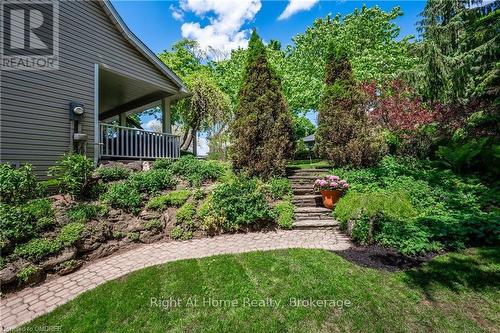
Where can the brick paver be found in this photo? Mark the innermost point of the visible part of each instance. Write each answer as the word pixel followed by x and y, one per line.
pixel 30 303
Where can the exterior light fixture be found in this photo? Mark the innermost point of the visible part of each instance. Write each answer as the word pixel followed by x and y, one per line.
pixel 77 108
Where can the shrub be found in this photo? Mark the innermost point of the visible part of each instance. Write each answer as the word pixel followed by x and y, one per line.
pixel 70 233
pixel 186 213
pixel 163 163
pixel 133 236
pixel 171 199
pixel 18 223
pixel 152 224
pixel 235 204
pixel 263 126
pixel 278 188
pixel 124 196
pixel 284 213
pixel 197 171
pixel 84 212
pixel 73 174
pixel 113 173
pixel 18 185
pixel 27 272
pixel 153 180
pixel 37 248
pixel 179 233
pixel 344 136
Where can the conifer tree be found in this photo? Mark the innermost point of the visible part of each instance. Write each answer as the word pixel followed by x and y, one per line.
pixel 262 134
pixel 344 136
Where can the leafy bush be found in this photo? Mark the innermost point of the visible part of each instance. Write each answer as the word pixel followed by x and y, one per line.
pixel 197 171
pixel 284 213
pixel 450 212
pixel 18 185
pixel 232 205
pixel 153 180
pixel 73 174
pixel 179 233
pixel 113 173
pixel 27 272
pixel 70 233
pixel 152 224
pixel 171 199
pixel 278 188
pixel 133 236
pixel 123 195
pixel 186 213
pixel 163 163
pixel 37 248
pixel 84 212
pixel 18 223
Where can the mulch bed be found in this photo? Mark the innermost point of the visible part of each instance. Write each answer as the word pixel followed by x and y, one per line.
pixel 381 258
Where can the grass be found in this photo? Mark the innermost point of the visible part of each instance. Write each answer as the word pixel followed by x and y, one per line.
pixel 308 164
pixel 454 293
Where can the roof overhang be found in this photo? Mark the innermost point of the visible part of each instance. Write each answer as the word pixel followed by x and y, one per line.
pixel 141 47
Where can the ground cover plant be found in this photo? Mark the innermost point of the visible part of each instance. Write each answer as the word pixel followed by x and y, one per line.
pixel 416 207
pixel 451 293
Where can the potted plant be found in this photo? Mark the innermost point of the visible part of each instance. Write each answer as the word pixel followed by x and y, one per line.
pixel 331 188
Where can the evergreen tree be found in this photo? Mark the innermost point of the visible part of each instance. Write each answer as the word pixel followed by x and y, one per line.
pixel 262 129
pixel 344 136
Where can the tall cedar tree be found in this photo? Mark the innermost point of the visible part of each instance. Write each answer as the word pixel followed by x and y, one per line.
pixel 262 130
pixel 344 137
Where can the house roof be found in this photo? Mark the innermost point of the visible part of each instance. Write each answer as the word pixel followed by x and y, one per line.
pixel 139 45
pixel 309 138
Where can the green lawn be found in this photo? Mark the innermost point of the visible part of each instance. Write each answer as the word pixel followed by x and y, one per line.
pixel 308 164
pixel 458 292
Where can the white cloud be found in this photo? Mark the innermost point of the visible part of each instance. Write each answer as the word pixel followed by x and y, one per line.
pixel 177 13
pixel 226 18
pixel 295 6
pixel 153 125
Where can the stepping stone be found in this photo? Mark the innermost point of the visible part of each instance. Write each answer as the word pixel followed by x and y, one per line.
pixel 314 224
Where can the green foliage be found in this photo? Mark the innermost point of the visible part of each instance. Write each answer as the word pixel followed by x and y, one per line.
pixel 113 173
pixel 27 272
pixel 18 223
pixel 186 213
pixel 171 199
pixel 133 236
pixel 197 171
pixel 460 156
pixel 278 188
pixel 233 205
pixel 449 211
pixel 18 185
pixel 262 129
pixel 83 212
pixel 179 233
pixel 37 248
pixel 153 224
pixel 70 233
pixel 163 163
pixel 123 195
pixel 284 213
pixel 73 174
pixel 344 136
pixel 153 180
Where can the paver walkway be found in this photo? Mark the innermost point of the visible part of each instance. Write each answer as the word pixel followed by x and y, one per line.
pixel 30 303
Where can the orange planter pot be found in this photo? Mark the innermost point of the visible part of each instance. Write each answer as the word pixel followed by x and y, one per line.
pixel 330 198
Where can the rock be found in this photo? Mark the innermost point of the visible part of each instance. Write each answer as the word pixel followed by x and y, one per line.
pixel 93 236
pixel 134 166
pixel 149 215
pixel 69 267
pixel 135 224
pixel 104 250
pixel 146 166
pixel 150 236
pixel 8 274
pixel 53 261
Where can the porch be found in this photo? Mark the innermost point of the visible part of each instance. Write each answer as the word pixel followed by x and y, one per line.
pixel 119 134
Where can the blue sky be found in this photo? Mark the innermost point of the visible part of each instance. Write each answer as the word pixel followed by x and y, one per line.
pixel 154 24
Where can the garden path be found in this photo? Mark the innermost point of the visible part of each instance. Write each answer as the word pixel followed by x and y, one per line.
pixel 29 303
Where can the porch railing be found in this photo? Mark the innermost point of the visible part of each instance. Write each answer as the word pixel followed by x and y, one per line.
pixel 125 142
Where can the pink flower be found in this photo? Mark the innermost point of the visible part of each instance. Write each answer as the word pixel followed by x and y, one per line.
pixel 322 182
pixel 334 184
pixel 342 182
pixel 346 186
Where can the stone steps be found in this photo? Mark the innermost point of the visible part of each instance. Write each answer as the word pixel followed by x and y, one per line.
pixel 307 200
pixel 315 224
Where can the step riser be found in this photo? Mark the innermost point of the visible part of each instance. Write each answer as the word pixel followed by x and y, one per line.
pixel 313 217
pixel 307 203
pixel 303 191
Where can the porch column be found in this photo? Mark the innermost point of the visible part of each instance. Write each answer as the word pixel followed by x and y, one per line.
pixel 123 119
pixel 166 119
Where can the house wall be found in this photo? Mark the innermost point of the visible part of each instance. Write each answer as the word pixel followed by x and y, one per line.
pixel 34 105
